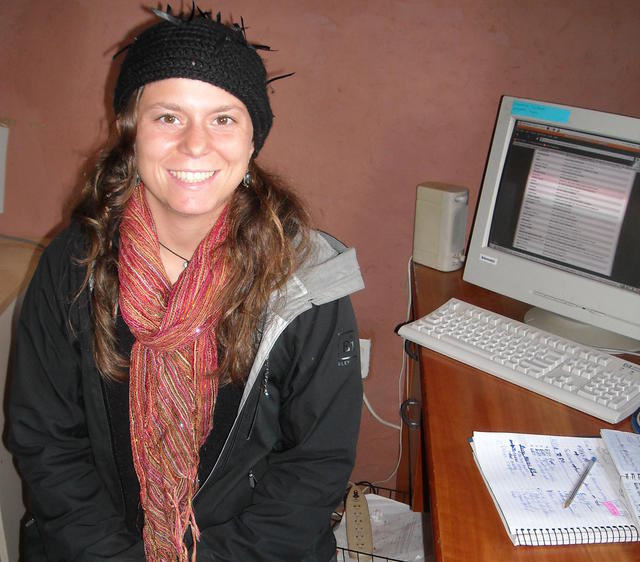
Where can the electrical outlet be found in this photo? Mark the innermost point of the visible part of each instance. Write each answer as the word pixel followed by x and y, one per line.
pixel 365 353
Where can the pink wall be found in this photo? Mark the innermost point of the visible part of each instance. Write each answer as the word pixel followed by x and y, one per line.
pixel 386 95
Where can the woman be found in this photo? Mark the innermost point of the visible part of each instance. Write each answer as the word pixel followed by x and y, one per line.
pixel 186 381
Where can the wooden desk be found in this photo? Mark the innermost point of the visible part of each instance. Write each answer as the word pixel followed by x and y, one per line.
pixel 458 400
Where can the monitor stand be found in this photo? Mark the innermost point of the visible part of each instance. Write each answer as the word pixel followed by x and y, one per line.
pixel 579 332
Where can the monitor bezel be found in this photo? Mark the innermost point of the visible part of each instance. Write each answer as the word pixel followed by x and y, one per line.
pixel 561 292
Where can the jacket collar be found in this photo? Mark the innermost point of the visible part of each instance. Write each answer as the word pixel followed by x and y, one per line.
pixel 330 272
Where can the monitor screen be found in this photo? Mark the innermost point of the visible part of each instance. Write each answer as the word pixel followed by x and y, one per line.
pixel 558 219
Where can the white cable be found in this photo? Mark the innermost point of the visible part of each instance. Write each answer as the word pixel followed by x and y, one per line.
pixel 399 429
pixel 383 422
pixel 395 468
pixel 401 377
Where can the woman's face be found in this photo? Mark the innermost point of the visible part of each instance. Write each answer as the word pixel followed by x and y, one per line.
pixel 193 145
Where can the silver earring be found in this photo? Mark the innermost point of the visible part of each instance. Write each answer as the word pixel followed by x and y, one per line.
pixel 246 180
pixel 138 180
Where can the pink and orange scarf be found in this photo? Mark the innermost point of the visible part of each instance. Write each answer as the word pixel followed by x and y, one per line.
pixel 171 392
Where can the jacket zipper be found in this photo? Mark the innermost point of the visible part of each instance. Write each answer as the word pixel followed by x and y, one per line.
pixel 252 479
pixel 264 389
pixel 233 435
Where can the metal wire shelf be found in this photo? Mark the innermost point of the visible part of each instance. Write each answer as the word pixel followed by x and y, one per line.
pixel 348 554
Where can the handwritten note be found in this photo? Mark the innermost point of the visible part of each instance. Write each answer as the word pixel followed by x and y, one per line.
pixel 530 477
pixel 625 453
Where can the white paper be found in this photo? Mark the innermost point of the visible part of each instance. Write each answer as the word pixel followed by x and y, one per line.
pixel 624 448
pixel 530 477
pixel 625 451
pixel 396 530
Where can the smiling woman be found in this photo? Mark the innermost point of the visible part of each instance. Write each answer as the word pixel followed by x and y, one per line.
pixel 193 145
pixel 180 387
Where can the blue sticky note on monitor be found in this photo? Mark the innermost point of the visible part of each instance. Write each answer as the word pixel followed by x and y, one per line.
pixel 522 108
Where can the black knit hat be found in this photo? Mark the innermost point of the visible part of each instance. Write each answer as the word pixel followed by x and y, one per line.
pixel 200 48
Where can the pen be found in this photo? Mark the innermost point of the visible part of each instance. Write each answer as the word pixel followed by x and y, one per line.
pixel 578 485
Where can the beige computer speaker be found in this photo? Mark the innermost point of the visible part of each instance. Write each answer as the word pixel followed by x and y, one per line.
pixel 440 225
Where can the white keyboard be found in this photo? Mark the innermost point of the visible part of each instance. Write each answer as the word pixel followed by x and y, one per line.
pixel 584 378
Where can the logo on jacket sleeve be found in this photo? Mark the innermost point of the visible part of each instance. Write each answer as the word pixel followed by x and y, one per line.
pixel 347 348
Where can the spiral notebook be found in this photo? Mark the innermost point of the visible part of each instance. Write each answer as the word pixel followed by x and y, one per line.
pixel 530 477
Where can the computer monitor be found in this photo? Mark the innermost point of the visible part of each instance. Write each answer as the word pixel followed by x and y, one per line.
pixel 558 220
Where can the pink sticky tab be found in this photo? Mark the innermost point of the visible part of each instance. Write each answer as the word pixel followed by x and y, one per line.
pixel 611 507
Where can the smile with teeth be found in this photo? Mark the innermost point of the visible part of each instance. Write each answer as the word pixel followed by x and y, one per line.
pixel 191 177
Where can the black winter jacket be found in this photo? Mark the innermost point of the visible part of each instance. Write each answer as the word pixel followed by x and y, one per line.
pixel 286 460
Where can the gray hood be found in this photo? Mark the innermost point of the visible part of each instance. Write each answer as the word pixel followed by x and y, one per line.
pixel 330 272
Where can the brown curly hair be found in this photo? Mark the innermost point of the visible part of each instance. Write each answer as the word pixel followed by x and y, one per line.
pixel 268 239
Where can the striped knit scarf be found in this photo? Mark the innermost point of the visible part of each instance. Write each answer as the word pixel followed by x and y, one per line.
pixel 171 396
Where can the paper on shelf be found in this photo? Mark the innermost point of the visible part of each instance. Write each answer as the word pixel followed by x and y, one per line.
pixel 397 531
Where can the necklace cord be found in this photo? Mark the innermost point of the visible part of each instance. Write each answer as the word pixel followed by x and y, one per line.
pixel 186 261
